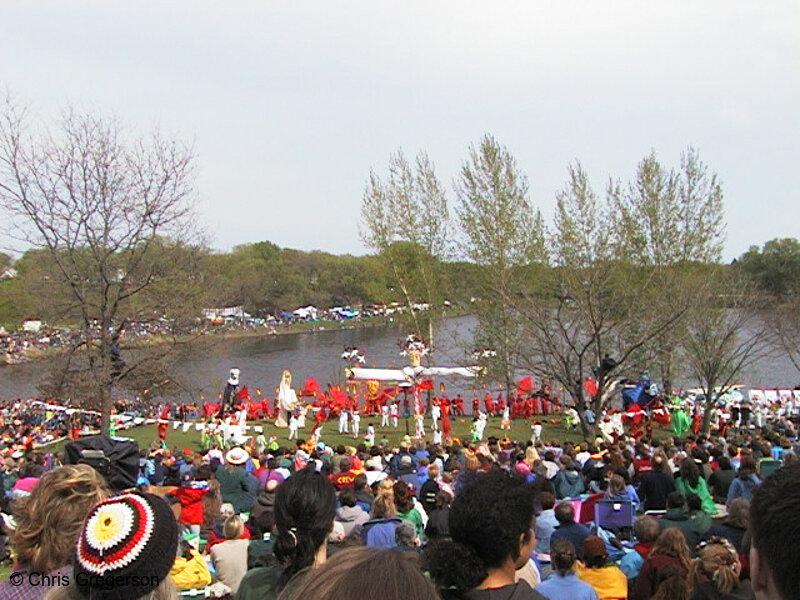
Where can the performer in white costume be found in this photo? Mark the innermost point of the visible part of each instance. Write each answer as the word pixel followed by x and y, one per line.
pixel 287 399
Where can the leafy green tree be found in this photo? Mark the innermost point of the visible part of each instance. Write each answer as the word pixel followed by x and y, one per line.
pixel 774 268
pixel 406 220
pixel 501 233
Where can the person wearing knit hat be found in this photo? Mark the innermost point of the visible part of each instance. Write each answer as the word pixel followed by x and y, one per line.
pixel 126 548
pixel 607 579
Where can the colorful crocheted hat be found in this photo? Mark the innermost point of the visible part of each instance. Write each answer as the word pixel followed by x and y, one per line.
pixel 126 548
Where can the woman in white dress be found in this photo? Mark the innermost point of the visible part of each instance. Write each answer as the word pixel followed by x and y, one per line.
pixel 287 399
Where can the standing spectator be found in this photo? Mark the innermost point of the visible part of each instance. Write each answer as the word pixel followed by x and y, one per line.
pixel 233 483
pixel 438 527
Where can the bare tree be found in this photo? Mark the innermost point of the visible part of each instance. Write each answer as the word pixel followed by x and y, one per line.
pixel 725 335
pixel 108 211
pixel 592 314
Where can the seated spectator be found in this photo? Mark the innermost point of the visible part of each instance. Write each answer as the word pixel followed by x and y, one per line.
pixel 568 529
pixel 671 584
pixel 721 479
pixel 691 482
pixel 775 527
pixel 656 485
pixel 568 482
pixel 699 518
pixel 48 523
pixel 677 517
pixel 429 489
pixel 546 522
pixel 216 534
pixel 563 583
pixel 491 524
pixel 606 578
pixel 379 532
pixel 305 507
pixel 230 557
pixel 233 480
pixel 437 527
pixel 646 531
pixel 735 525
pixel 746 481
pixel 617 489
pixel 365 573
pixel 715 573
pixel 405 537
pixel 346 477
pixel 404 503
pixel 364 496
pixel 114 546
pixel 349 514
pixel 263 511
pixel 670 549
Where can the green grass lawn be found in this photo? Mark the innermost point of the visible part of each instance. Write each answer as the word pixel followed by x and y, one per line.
pixel 520 430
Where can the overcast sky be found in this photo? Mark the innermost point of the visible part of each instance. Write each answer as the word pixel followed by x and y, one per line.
pixel 289 104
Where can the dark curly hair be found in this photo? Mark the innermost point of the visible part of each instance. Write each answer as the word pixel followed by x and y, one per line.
pixel 487 518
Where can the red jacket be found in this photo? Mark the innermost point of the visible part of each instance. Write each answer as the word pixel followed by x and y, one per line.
pixel 191 505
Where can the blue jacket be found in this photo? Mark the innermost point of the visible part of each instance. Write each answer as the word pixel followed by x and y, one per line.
pixel 742 488
pixel 568 587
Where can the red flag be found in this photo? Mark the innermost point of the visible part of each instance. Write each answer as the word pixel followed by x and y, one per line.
pixel 243 395
pixel 525 385
pixel 591 386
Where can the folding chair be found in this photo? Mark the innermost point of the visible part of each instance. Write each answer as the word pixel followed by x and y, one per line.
pixel 612 515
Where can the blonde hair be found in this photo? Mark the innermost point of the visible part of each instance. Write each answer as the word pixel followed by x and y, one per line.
pixel 50 519
pixel 383 507
pixel 233 527
pixel 719 563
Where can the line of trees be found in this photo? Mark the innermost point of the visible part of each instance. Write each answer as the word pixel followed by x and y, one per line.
pixel 628 279
pixel 620 281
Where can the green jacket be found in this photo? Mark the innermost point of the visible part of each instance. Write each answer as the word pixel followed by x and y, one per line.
pixel 700 490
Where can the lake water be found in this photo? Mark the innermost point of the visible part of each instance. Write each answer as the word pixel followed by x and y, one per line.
pixel 262 360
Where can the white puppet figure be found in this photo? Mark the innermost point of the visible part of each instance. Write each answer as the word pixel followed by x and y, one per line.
pixel 355 417
pixel 343 421
pixel 385 415
pixel 436 413
pixel 294 424
pixel 419 426
pixel 394 410
pixel 287 400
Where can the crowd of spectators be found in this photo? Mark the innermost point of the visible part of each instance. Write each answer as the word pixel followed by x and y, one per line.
pixel 713 518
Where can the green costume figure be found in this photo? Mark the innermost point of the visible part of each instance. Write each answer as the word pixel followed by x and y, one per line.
pixel 680 423
pixel 474 431
pixel 205 439
pixel 112 428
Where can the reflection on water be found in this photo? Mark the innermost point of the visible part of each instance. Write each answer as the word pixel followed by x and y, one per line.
pixel 205 367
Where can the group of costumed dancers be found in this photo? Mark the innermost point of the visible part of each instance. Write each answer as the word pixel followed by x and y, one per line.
pixel 410 395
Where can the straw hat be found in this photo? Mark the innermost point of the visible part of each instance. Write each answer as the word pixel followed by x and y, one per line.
pixel 236 456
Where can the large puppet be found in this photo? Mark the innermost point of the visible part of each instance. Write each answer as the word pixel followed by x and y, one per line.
pixel 287 400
